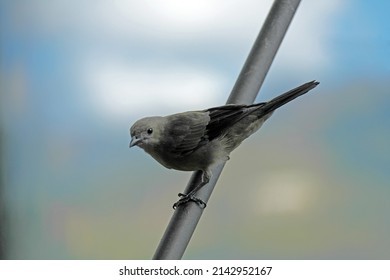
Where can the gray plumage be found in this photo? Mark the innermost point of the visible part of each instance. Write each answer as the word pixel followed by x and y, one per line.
pixel 201 140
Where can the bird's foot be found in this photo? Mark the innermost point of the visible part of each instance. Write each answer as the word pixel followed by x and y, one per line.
pixel 184 198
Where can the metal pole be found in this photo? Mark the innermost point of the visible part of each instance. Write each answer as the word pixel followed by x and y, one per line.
pixel 186 217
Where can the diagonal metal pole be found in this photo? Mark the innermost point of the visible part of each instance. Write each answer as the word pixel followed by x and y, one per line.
pixel 184 220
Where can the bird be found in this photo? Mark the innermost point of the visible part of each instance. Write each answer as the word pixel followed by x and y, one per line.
pixel 201 140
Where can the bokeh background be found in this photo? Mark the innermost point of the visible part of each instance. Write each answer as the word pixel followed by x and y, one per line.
pixel 314 183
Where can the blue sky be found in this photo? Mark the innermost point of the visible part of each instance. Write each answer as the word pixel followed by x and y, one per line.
pixel 76 74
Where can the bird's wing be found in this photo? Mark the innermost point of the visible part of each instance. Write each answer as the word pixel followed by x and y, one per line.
pixel 223 117
pixel 190 130
pixel 186 132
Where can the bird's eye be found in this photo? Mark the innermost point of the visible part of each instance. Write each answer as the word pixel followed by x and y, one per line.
pixel 150 130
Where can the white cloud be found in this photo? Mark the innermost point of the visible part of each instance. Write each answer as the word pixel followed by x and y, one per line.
pixel 227 27
pixel 156 18
pixel 121 89
pixel 217 24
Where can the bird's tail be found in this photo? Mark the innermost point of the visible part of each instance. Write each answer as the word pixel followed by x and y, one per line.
pixel 284 98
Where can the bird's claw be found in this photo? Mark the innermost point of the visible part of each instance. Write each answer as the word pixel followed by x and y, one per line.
pixel 184 198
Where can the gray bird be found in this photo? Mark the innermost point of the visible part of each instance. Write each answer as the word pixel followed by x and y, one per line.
pixel 201 140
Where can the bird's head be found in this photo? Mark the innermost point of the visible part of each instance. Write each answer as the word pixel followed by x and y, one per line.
pixel 145 132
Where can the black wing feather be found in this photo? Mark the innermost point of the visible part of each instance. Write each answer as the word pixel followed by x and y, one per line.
pixel 223 117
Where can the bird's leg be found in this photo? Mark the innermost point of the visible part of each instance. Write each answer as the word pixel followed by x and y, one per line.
pixel 184 198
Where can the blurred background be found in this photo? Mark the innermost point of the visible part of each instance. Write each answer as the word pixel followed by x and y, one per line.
pixel 314 183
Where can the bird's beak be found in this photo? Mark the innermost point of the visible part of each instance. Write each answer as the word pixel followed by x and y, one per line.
pixel 134 141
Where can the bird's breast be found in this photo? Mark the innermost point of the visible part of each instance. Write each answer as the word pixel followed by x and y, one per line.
pixel 200 159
